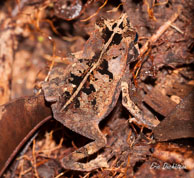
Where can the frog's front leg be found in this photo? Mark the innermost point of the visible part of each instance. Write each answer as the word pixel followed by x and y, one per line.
pixel 132 108
pixel 71 161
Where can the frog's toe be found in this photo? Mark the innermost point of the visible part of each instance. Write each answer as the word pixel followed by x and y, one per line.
pixel 98 162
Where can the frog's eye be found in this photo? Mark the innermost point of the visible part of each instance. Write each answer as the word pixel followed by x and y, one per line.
pixel 136 38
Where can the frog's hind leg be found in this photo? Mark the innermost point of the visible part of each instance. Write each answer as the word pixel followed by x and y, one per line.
pixel 71 161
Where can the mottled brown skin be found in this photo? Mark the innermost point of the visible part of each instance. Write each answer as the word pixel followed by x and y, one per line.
pixel 86 92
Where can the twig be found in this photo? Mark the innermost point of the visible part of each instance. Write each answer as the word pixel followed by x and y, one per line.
pixel 21 154
pixel 34 159
pixel 177 29
pixel 160 31
pixel 93 15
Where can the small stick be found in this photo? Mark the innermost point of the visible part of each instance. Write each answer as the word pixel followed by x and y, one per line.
pixel 159 32
pixel 177 29
pixel 34 159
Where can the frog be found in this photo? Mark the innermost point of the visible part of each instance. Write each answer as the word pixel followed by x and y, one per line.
pixel 86 91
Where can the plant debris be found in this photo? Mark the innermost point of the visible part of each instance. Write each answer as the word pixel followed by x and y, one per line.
pixel 39 35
